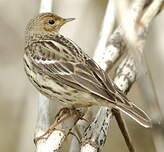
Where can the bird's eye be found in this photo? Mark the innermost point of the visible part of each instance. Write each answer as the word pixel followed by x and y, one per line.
pixel 51 21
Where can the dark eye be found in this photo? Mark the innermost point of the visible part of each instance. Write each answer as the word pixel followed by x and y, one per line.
pixel 51 21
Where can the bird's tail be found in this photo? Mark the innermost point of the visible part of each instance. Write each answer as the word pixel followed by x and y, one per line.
pixel 135 113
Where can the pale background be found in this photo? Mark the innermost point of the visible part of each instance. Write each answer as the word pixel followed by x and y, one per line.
pixel 18 109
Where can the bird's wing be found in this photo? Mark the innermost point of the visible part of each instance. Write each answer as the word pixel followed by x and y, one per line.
pixel 89 77
pixel 121 101
pixel 77 74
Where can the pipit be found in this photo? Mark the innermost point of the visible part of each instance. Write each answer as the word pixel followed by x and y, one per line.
pixel 63 72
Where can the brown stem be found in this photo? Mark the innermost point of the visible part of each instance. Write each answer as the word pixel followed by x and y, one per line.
pixel 122 125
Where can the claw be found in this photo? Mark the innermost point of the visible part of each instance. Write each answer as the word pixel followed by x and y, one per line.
pixel 39 138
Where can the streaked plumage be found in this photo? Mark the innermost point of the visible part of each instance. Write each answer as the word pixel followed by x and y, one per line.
pixel 60 70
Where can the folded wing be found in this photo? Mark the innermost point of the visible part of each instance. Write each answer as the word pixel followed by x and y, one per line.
pixel 87 76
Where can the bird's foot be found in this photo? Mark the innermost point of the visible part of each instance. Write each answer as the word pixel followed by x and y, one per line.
pixel 61 116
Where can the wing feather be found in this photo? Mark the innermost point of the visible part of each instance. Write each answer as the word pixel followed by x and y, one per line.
pixel 85 75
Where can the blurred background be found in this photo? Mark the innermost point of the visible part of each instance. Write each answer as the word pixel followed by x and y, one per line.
pixel 18 106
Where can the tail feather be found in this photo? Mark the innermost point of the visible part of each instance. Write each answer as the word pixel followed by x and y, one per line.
pixel 135 113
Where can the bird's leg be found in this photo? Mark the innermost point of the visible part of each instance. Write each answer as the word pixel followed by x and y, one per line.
pixel 62 112
pixel 61 116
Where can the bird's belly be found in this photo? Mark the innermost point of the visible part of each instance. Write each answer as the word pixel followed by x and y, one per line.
pixel 59 92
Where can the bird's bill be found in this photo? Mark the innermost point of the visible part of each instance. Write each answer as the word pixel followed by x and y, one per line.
pixel 68 20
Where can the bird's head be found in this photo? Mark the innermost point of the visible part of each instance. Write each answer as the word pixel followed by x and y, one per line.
pixel 46 23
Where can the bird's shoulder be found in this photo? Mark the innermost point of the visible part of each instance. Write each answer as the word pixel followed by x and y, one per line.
pixel 58 47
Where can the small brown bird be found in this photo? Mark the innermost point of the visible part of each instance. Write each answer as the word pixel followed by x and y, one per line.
pixel 63 72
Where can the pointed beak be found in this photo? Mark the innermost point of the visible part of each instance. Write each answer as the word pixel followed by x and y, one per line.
pixel 68 20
